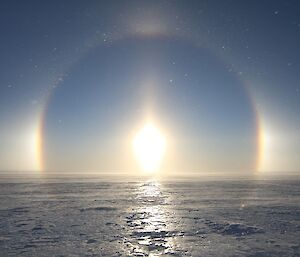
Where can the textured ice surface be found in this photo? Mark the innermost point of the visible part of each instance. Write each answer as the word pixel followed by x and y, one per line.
pixel 148 218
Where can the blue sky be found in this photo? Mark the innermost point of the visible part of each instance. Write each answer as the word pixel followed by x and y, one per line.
pixel 205 71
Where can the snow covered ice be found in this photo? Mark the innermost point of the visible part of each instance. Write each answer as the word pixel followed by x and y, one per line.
pixel 150 218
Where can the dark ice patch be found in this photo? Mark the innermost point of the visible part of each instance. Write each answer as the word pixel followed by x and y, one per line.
pixel 235 229
pixel 240 230
pixel 17 210
pixel 263 254
pixel 37 228
pixel 29 246
pixel 21 225
pixel 91 241
pixel 101 208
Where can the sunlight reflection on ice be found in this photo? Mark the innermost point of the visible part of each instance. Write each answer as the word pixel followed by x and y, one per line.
pixel 150 222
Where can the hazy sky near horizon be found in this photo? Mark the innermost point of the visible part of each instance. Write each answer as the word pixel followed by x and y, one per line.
pixel 220 79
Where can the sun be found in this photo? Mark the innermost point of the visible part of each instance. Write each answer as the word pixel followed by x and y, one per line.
pixel 149 146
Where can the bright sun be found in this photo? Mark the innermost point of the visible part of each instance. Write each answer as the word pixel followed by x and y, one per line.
pixel 149 147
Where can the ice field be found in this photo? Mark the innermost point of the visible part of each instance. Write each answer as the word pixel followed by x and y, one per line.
pixel 150 218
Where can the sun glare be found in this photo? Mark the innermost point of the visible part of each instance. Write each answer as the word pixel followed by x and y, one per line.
pixel 149 147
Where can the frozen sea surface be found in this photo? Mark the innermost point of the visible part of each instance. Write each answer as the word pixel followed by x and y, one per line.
pixel 150 218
